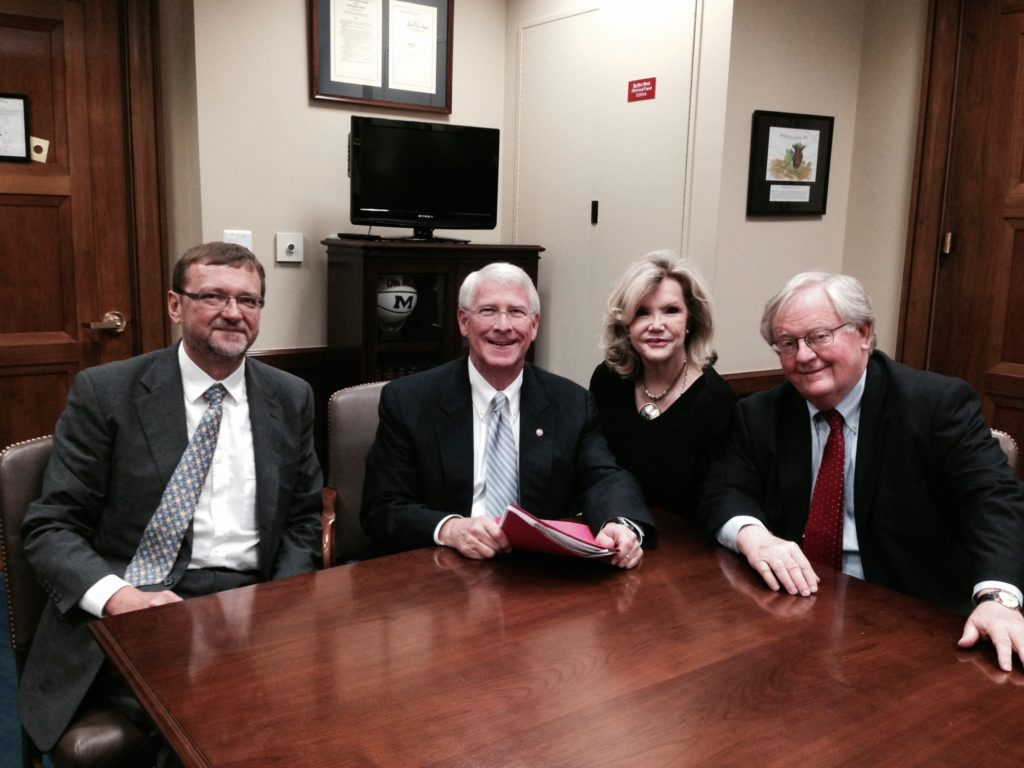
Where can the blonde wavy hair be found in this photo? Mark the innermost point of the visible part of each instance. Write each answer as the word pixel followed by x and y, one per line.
pixel 639 280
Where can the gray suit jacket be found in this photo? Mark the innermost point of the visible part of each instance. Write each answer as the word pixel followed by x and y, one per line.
pixel 420 468
pixel 116 446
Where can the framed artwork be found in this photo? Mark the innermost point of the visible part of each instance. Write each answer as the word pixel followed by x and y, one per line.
pixel 14 137
pixel 386 53
pixel 789 162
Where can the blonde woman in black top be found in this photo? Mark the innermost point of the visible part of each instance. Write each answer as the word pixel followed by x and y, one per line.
pixel 665 412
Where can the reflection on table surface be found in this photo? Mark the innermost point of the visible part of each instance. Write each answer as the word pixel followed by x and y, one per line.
pixel 426 658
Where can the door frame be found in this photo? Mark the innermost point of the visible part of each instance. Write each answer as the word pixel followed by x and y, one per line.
pixel 928 195
pixel 147 236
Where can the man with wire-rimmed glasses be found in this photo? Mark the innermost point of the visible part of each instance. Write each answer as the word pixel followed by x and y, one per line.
pixel 861 464
pixel 180 472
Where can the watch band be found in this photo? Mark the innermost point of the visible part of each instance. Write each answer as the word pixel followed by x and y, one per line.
pixel 1001 596
pixel 636 529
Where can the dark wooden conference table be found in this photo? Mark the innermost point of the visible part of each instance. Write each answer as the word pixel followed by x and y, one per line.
pixel 427 659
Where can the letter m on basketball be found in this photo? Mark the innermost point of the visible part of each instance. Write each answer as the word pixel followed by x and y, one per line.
pixel 404 302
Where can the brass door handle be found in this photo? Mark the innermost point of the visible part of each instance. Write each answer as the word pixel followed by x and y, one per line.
pixel 113 322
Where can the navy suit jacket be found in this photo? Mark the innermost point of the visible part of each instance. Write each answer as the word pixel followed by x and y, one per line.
pixel 116 446
pixel 937 507
pixel 420 467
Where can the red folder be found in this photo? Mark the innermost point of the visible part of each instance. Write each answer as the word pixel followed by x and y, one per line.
pixel 555 537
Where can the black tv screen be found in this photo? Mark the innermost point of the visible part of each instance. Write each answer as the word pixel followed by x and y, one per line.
pixel 423 175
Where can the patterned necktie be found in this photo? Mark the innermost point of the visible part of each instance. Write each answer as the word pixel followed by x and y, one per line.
pixel 502 463
pixel 162 538
pixel 823 536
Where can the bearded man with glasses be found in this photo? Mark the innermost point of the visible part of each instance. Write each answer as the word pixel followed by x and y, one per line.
pixel 861 464
pixel 128 448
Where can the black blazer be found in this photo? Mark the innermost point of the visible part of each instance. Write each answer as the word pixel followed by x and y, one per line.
pixel 937 507
pixel 420 467
pixel 117 445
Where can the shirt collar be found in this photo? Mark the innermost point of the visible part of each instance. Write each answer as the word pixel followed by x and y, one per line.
pixel 195 381
pixel 483 392
pixel 849 406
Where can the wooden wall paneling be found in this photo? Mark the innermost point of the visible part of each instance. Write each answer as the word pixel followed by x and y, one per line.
pixel 748 382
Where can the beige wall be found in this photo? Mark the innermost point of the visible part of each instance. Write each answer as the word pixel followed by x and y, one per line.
pixel 261 155
pixel 883 146
pixel 247 148
pixel 859 62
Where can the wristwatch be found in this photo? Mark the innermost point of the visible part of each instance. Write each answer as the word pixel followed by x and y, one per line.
pixel 1001 596
pixel 636 529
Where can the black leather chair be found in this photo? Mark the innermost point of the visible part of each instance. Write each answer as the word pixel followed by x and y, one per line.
pixel 96 737
pixel 351 427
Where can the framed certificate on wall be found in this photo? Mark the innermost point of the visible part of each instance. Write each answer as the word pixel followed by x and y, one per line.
pixel 14 139
pixel 389 53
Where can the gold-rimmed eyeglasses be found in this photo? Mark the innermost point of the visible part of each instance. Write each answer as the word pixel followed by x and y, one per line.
pixel 787 346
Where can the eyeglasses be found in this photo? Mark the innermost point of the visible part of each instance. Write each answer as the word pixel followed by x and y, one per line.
pixel 787 346
pixel 213 300
pixel 491 314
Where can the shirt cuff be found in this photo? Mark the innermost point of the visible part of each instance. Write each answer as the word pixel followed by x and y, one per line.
pixel 727 534
pixel 437 530
pixel 983 586
pixel 96 597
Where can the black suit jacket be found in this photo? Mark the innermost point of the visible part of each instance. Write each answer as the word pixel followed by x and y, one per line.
pixel 117 445
pixel 937 507
pixel 420 467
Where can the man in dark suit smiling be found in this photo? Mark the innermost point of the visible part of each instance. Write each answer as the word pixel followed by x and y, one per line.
pixel 431 476
pixel 889 473
pixel 125 449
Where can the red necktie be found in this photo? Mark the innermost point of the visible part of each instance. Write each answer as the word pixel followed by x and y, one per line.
pixel 823 536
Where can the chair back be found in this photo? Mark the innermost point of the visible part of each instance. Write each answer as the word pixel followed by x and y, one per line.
pixel 97 736
pixel 1009 446
pixel 21 481
pixel 352 420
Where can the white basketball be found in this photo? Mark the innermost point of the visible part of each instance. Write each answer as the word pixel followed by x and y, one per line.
pixel 396 298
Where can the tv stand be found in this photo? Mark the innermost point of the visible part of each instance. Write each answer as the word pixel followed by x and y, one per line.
pixel 424 235
pixel 364 346
pixel 427 239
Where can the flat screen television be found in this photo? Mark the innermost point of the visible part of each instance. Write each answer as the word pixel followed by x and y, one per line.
pixel 423 175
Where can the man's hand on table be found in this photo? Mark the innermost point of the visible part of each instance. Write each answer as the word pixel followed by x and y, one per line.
pixel 128 598
pixel 1002 626
pixel 478 538
pixel 782 564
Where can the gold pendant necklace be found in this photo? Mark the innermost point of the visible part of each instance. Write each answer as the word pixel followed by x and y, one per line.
pixel 649 411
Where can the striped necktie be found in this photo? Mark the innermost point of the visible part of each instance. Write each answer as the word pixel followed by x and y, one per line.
pixel 165 530
pixel 502 460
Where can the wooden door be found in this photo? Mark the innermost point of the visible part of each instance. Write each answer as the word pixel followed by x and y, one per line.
pixel 964 294
pixel 80 234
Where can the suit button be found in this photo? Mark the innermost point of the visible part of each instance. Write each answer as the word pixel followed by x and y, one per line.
pixel 168 582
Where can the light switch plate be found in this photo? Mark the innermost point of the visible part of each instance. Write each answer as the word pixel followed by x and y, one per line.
pixel 239 236
pixel 289 247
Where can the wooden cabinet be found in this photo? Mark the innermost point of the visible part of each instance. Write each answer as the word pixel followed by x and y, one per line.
pixel 391 305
